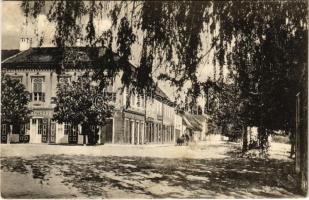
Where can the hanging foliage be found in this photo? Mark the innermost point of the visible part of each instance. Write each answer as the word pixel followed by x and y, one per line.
pixel 262 44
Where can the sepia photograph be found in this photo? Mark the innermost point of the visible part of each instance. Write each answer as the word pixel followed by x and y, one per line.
pixel 154 99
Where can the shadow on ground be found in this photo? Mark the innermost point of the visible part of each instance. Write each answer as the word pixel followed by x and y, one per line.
pixel 117 177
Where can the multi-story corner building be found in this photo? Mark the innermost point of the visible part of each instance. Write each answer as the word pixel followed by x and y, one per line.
pixel 159 118
pixel 146 120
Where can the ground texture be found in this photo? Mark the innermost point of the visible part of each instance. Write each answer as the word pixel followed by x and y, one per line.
pixel 204 170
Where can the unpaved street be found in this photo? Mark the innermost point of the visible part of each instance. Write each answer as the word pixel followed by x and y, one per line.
pixel 205 170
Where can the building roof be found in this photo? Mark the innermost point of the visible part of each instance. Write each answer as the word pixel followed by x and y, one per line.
pixel 160 93
pixel 41 57
pixel 6 53
pixel 192 122
pixel 200 118
pixel 71 57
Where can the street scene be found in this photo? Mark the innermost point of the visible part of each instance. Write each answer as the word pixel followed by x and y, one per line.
pixel 154 99
pixel 205 170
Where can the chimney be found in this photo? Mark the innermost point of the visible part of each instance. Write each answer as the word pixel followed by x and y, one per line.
pixel 25 43
pixel 79 42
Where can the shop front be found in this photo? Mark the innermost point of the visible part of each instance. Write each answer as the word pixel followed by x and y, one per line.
pixel 42 130
pixel 133 128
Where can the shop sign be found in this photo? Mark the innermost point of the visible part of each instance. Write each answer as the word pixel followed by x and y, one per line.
pixel 42 113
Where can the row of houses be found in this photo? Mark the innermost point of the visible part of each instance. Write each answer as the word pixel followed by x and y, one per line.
pixel 146 120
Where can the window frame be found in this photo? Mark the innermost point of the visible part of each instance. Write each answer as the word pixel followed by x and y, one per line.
pixel 38 96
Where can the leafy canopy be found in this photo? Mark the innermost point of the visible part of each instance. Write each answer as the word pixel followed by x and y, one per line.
pixel 263 44
pixel 14 100
pixel 81 102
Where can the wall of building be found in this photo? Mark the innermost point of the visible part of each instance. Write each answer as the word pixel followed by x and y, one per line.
pixel 153 119
pixel 178 126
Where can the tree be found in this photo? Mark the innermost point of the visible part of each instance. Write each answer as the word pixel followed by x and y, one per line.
pixel 263 44
pixel 226 111
pixel 265 57
pixel 14 101
pixel 82 103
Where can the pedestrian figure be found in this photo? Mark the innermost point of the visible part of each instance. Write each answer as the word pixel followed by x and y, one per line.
pixel 180 140
pixel 187 139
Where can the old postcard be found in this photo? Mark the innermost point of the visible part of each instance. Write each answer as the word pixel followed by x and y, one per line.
pixel 154 99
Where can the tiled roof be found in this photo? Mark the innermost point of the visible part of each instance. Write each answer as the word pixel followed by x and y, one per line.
pixel 42 56
pixel 6 53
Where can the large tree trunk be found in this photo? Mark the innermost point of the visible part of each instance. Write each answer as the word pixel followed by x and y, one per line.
pixel 244 139
pixel 85 130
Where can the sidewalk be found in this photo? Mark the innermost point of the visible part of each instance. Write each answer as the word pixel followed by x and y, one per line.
pixel 200 150
pixel 195 151
pixel 139 145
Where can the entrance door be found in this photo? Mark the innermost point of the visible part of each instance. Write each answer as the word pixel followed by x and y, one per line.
pixel 73 135
pixel 43 129
pixel 109 130
pixel 53 132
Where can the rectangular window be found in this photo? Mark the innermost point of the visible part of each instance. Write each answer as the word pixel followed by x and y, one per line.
pixel 3 129
pixel 138 103
pixel 37 87
pixel 67 128
pixel 33 121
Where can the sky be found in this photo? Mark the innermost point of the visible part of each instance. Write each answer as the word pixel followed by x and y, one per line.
pixel 11 23
pixel 13 28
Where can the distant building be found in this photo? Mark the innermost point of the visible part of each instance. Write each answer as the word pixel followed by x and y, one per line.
pixel 195 126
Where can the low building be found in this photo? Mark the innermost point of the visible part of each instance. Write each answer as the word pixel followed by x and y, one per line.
pixel 192 127
pixel 203 122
